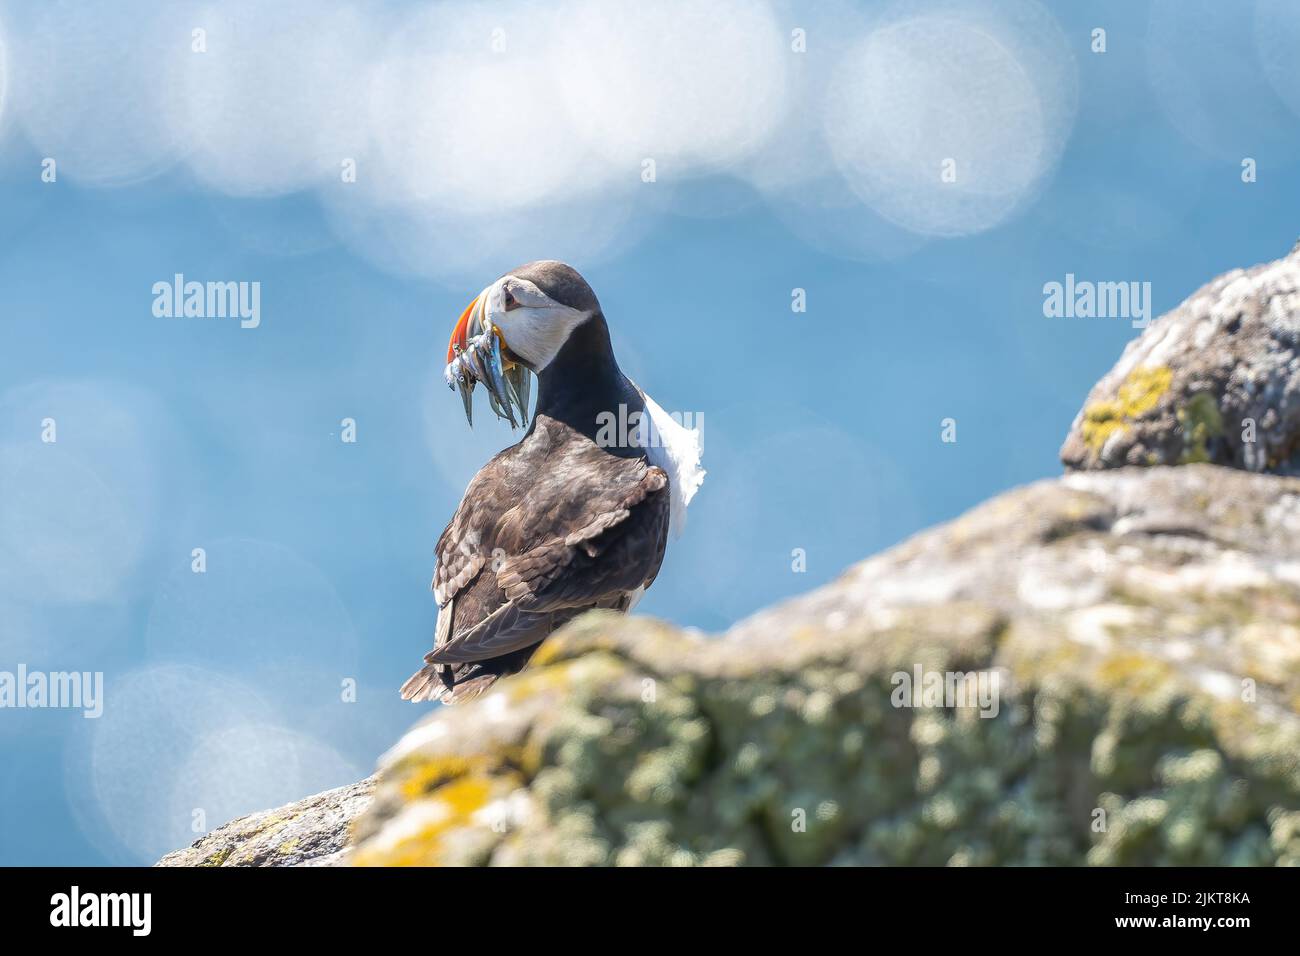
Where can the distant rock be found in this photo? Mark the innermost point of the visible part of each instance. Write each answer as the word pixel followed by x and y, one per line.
pixel 1145 629
pixel 311 832
pixel 1215 380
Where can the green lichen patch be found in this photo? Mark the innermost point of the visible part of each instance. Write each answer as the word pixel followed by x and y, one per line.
pixel 1201 422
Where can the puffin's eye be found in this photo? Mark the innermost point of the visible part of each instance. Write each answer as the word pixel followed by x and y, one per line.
pixel 510 301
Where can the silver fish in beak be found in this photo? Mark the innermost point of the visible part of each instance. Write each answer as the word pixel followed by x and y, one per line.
pixel 477 353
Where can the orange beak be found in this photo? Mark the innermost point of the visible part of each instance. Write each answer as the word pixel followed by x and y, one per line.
pixel 460 334
pixel 487 361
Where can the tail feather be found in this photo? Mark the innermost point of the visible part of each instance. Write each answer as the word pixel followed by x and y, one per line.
pixel 454 685
pixel 424 684
pixel 470 688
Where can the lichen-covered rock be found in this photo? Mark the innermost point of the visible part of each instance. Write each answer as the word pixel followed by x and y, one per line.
pixel 1137 632
pixel 1215 380
pixel 311 832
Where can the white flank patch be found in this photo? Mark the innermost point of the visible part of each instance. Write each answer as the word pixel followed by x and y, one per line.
pixel 677 450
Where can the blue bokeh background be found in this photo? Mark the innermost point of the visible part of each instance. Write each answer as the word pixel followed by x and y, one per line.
pixel 821 429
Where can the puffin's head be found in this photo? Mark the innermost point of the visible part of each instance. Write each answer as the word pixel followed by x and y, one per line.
pixel 515 326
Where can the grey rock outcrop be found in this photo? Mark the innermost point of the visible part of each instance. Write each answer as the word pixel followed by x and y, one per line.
pixel 1128 643
pixel 1215 380
pixel 310 832
pixel 1140 630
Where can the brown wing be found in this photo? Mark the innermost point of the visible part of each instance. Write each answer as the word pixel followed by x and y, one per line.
pixel 549 527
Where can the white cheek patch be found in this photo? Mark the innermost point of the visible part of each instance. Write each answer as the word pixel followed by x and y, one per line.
pixel 534 333
pixel 537 335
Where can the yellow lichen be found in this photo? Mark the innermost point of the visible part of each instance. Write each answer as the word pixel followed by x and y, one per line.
pixel 1137 395
pixel 452 808
pixel 264 825
pixel 539 679
pixel 465 796
pixel 548 653
pixel 218 858
pixel 431 773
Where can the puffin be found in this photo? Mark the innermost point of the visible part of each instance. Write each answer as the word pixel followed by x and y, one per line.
pixel 578 513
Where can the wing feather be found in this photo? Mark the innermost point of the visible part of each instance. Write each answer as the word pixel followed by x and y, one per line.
pixel 584 527
pixel 508 628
